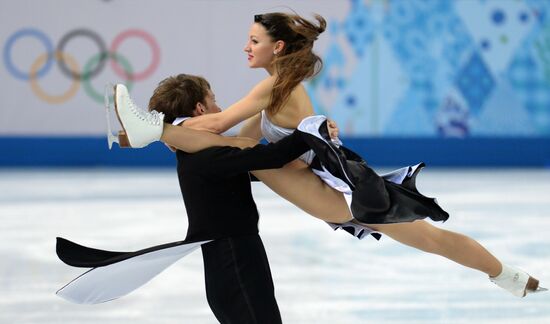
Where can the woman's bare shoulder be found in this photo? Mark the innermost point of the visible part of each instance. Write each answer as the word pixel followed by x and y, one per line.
pixel 301 101
pixel 267 83
pixel 263 88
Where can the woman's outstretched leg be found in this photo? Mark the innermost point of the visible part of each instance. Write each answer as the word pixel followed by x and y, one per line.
pixel 463 250
pixel 454 246
pixel 190 140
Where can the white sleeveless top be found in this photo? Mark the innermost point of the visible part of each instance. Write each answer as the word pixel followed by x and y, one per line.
pixel 273 133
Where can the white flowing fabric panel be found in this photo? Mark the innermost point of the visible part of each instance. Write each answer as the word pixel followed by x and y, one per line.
pixel 110 282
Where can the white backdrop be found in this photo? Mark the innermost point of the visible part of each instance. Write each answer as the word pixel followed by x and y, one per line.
pixel 199 37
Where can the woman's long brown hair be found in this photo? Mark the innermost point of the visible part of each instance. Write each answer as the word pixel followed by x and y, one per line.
pixel 296 62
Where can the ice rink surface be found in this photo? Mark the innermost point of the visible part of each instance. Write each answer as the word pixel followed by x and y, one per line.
pixel 320 276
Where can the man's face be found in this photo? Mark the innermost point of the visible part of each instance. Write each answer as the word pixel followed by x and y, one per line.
pixel 210 104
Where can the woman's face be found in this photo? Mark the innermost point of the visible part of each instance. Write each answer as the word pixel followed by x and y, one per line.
pixel 259 47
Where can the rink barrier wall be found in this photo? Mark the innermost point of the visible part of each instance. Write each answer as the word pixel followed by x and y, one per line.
pixel 471 152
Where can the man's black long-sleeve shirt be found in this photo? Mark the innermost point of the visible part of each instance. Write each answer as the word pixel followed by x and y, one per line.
pixel 215 185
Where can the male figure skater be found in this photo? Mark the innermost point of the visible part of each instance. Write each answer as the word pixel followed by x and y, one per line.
pixel 215 185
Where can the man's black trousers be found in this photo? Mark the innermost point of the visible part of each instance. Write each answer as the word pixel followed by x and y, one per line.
pixel 239 286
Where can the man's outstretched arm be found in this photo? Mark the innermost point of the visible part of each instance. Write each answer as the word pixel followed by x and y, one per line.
pixel 231 160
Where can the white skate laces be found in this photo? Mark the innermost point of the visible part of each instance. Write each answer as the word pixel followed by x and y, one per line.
pixel 141 127
pixel 516 281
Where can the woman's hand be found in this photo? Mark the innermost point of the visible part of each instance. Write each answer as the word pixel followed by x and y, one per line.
pixel 332 129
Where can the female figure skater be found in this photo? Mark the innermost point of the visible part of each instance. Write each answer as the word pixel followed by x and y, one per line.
pixel 282 44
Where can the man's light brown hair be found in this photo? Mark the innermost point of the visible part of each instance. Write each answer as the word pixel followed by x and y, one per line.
pixel 177 96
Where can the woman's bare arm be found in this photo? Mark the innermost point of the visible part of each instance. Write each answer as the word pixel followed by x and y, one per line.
pixel 251 127
pixel 254 102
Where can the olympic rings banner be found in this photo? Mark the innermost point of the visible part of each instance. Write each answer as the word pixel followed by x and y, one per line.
pixel 71 68
pixel 57 57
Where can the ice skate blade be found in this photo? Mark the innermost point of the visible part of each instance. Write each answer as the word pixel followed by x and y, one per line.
pixel 111 138
pixel 539 290
pixel 123 140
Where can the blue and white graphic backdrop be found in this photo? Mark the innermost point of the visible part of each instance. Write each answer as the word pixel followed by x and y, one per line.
pixel 463 82
pixel 430 68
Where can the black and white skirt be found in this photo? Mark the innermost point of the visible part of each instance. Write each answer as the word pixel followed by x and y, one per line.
pixel 372 199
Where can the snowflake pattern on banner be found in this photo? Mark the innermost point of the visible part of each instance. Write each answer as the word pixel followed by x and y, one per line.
pixel 434 68
pixel 359 28
pixel 475 82
pixel 533 89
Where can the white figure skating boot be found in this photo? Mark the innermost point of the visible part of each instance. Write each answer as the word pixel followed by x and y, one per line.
pixel 140 127
pixel 516 281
